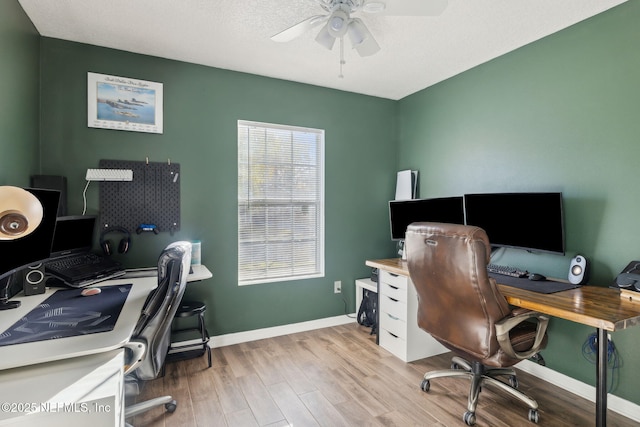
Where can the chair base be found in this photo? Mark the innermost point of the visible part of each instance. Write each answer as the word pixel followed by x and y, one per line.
pixel 138 408
pixel 480 375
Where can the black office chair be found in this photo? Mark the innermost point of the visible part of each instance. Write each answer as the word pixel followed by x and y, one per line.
pixel 153 330
pixel 462 308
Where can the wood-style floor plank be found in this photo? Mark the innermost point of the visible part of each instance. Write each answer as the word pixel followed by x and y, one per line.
pixel 339 377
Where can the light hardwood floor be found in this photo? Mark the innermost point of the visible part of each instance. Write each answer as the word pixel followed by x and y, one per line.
pixel 339 377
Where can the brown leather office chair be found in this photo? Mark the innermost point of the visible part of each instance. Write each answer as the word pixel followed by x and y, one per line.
pixel 462 308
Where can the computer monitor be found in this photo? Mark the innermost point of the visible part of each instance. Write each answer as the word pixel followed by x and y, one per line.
pixel 73 234
pixel 28 250
pixel 529 221
pixel 35 247
pixel 404 212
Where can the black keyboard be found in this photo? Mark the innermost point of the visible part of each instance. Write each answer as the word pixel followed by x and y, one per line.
pixel 84 269
pixel 506 270
pixel 63 264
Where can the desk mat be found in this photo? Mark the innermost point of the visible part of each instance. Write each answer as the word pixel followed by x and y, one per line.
pixel 541 286
pixel 66 313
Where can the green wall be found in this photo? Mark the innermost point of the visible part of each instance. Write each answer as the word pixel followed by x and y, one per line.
pixel 19 88
pixel 560 114
pixel 201 109
pixel 557 115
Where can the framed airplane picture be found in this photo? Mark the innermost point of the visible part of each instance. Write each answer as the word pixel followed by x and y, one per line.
pixel 123 103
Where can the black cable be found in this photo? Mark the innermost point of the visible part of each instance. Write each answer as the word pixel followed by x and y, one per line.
pixel 590 352
pixel 346 313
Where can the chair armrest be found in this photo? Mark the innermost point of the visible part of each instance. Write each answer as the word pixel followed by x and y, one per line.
pixel 138 350
pixel 504 326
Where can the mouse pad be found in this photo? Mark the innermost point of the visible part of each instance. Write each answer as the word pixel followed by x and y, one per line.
pixel 540 286
pixel 66 313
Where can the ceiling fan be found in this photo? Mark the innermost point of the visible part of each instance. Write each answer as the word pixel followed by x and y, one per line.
pixel 338 21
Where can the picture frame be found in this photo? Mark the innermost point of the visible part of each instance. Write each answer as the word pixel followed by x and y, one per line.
pixel 123 103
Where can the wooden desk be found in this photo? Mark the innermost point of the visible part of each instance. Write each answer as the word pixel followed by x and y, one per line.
pixel 601 308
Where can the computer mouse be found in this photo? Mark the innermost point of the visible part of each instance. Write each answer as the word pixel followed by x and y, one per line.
pixel 536 277
pixel 87 292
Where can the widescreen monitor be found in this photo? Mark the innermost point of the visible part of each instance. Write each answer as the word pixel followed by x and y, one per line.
pixel 404 212
pixel 529 221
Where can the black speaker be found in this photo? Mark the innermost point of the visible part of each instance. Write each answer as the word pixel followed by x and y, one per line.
pixel 33 279
pixel 53 182
pixel 579 270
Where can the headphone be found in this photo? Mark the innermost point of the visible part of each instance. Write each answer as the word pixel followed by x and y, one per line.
pixel 124 244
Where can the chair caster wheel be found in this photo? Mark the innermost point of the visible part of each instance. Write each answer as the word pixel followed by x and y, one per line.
pixel 534 416
pixel 171 406
pixel 469 418
pixel 425 385
pixel 513 381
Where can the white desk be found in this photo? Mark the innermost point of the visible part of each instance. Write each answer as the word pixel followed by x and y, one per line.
pixel 48 350
pixel 16 355
pixel 84 390
pixel 200 272
pixel 75 380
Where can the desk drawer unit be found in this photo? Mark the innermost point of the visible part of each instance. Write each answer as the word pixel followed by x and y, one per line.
pixel 399 331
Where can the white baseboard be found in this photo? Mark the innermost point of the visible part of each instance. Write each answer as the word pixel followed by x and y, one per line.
pixel 276 331
pixel 586 391
pixel 614 403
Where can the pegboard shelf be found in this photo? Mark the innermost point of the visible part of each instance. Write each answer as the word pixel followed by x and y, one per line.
pixel 151 197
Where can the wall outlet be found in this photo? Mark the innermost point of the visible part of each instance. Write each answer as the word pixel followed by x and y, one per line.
pixel 337 286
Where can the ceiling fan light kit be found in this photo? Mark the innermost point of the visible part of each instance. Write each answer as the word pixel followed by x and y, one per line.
pixel 338 22
pixel 325 38
pixel 361 38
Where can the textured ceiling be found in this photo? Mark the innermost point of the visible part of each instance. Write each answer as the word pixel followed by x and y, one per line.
pixel 416 52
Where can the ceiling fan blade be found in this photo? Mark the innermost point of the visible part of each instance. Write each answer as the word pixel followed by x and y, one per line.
pixel 361 38
pixel 406 7
pixel 325 38
pixel 299 29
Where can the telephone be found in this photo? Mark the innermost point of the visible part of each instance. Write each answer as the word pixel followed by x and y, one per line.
pixel 629 278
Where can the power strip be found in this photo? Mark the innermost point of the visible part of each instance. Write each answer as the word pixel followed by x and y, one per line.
pixel 109 175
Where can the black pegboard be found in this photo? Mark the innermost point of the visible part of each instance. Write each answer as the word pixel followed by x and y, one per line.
pixel 153 197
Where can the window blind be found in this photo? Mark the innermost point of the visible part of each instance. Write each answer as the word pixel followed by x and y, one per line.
pixel 280 202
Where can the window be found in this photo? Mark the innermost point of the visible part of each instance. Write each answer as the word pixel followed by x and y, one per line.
pixel 280 203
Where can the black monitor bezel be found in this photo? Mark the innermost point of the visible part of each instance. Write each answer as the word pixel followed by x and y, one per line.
pixel 527 203
pixel 396 224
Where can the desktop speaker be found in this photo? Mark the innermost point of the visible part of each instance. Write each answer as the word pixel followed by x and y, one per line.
pixel 579 270
pixel 33 281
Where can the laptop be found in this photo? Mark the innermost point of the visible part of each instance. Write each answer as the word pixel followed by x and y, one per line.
pixel 71 258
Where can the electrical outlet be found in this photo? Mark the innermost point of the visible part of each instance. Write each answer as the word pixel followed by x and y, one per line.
pixel 337 286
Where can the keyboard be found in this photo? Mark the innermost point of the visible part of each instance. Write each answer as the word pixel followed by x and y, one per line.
pixel 506 270
pixel 109 175
pixel 63 264
pixel 84 269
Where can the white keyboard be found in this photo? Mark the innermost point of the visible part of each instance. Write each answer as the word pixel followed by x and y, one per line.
pixel 109 175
